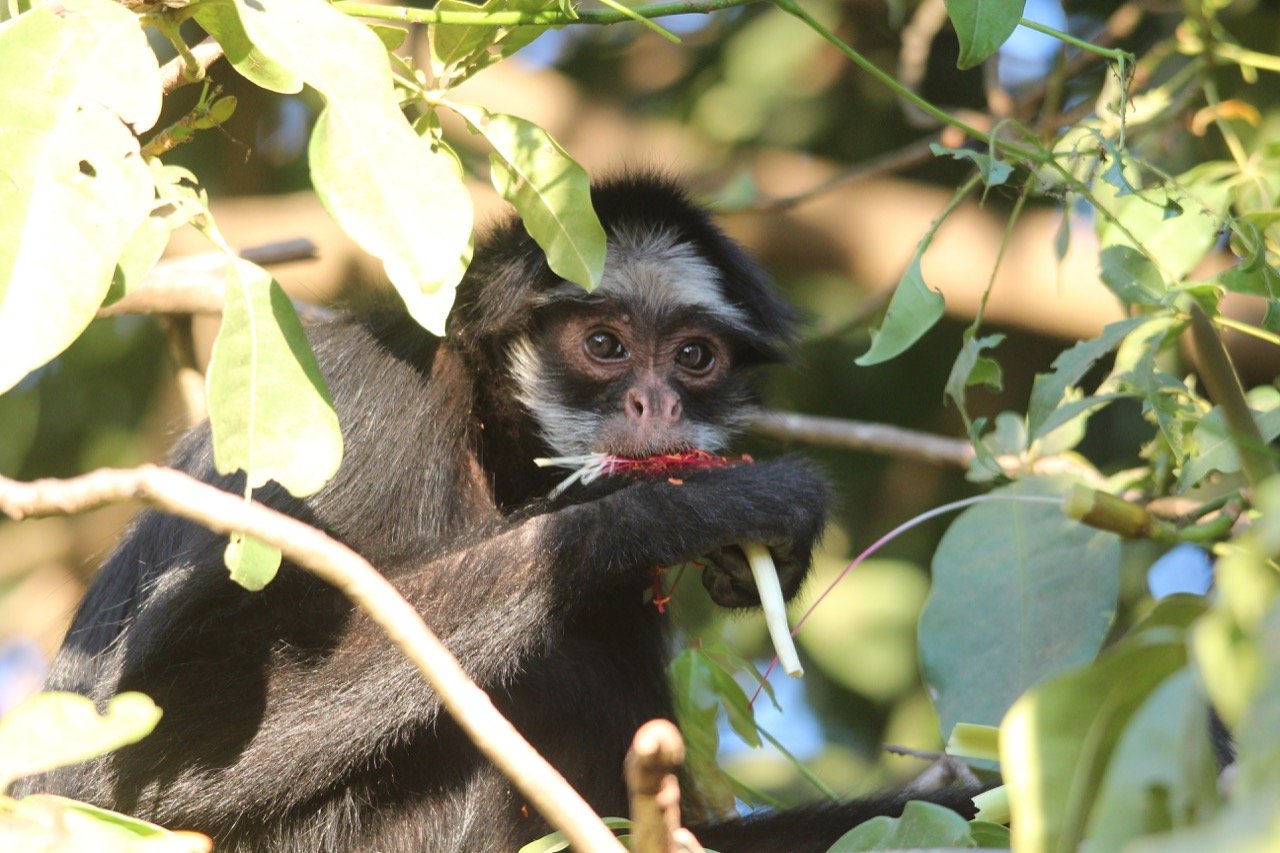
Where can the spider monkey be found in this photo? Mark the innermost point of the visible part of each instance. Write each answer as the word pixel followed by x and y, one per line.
pixel 291 724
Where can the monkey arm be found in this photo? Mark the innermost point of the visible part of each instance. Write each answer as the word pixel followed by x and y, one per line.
pixel 284 693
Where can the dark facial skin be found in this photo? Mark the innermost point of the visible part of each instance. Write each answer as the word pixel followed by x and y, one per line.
pixel 642 377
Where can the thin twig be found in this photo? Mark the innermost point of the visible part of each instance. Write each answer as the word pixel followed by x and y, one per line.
pixel 886 163
pixel 174 75
pixel 337 564
pixel 859 435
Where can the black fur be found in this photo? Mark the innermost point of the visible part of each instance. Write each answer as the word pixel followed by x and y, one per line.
pixel 291 724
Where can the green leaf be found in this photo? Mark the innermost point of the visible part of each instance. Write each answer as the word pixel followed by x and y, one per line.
pixel 1249 823
pixel 987 834
pixel 460 50
pixel 56 729
pixel 1045 585
pixel 734 701
pixel 1258 279
pixel 922 826
pixel 269 408
pixel 972 368
pixel 994 171
pixel 549 189
pixel 74 79
pixel 252 563
pixel 1130 275
pixel 1056 740
pixel 139 256
pixel 1214 447
pixel 222 21
pixel 1069 368
pixel 397 196
pixel 982 26
pixel 970 741
pixel 913 310
pixel 1163 772
pixel 557 841
pixel 391 36
pixel 407 206
pixel 1178 243
pixel 697 709
pixel 55 824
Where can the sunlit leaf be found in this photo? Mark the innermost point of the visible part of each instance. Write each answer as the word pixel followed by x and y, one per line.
pixel 55 729
pixel 52 824
pixel 1163 773
pixel 549 189
pixel 139 255
pixel 252 563
pixel 1057 739
pixel 1141 220
pixel 399 197
pixel 407 206
pixel 220 20
pixel 77 80
pixel 269 408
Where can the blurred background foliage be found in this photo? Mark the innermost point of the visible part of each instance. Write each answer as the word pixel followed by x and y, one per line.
pixel 751 109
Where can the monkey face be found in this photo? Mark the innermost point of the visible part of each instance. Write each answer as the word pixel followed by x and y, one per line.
pixel 652 362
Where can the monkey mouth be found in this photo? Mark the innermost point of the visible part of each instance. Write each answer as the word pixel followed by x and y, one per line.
pixel 638 449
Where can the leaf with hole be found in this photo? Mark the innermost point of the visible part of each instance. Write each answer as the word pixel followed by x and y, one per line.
pixel 77 81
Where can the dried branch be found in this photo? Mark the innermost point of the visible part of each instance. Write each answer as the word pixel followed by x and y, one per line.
pixel 859 435
pixel 194 284
pixel 337 564
pixel 656 753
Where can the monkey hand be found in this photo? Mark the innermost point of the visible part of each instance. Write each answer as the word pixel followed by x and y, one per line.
pixel 788 519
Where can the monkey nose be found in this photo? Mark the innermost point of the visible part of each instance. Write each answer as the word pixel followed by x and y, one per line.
pixel 652 404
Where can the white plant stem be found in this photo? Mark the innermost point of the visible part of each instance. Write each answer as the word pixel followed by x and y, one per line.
pixel 775 609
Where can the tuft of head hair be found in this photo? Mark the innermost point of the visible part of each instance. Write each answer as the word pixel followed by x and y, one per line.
pixel 509 276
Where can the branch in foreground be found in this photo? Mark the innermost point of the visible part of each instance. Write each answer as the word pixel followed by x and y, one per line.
pixel 656 754
pixel 337 564
pixel 859 435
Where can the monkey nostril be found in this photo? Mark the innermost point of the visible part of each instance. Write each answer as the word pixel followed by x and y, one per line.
pixel 635 404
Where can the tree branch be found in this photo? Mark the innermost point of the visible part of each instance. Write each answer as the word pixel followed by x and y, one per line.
pixel 181 71
pixel 337 564
pixel 194 284
pixel 859 435
pixel 656 754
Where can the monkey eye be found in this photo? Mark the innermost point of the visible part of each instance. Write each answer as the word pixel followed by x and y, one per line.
pixel 605 346
pixel 696 357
